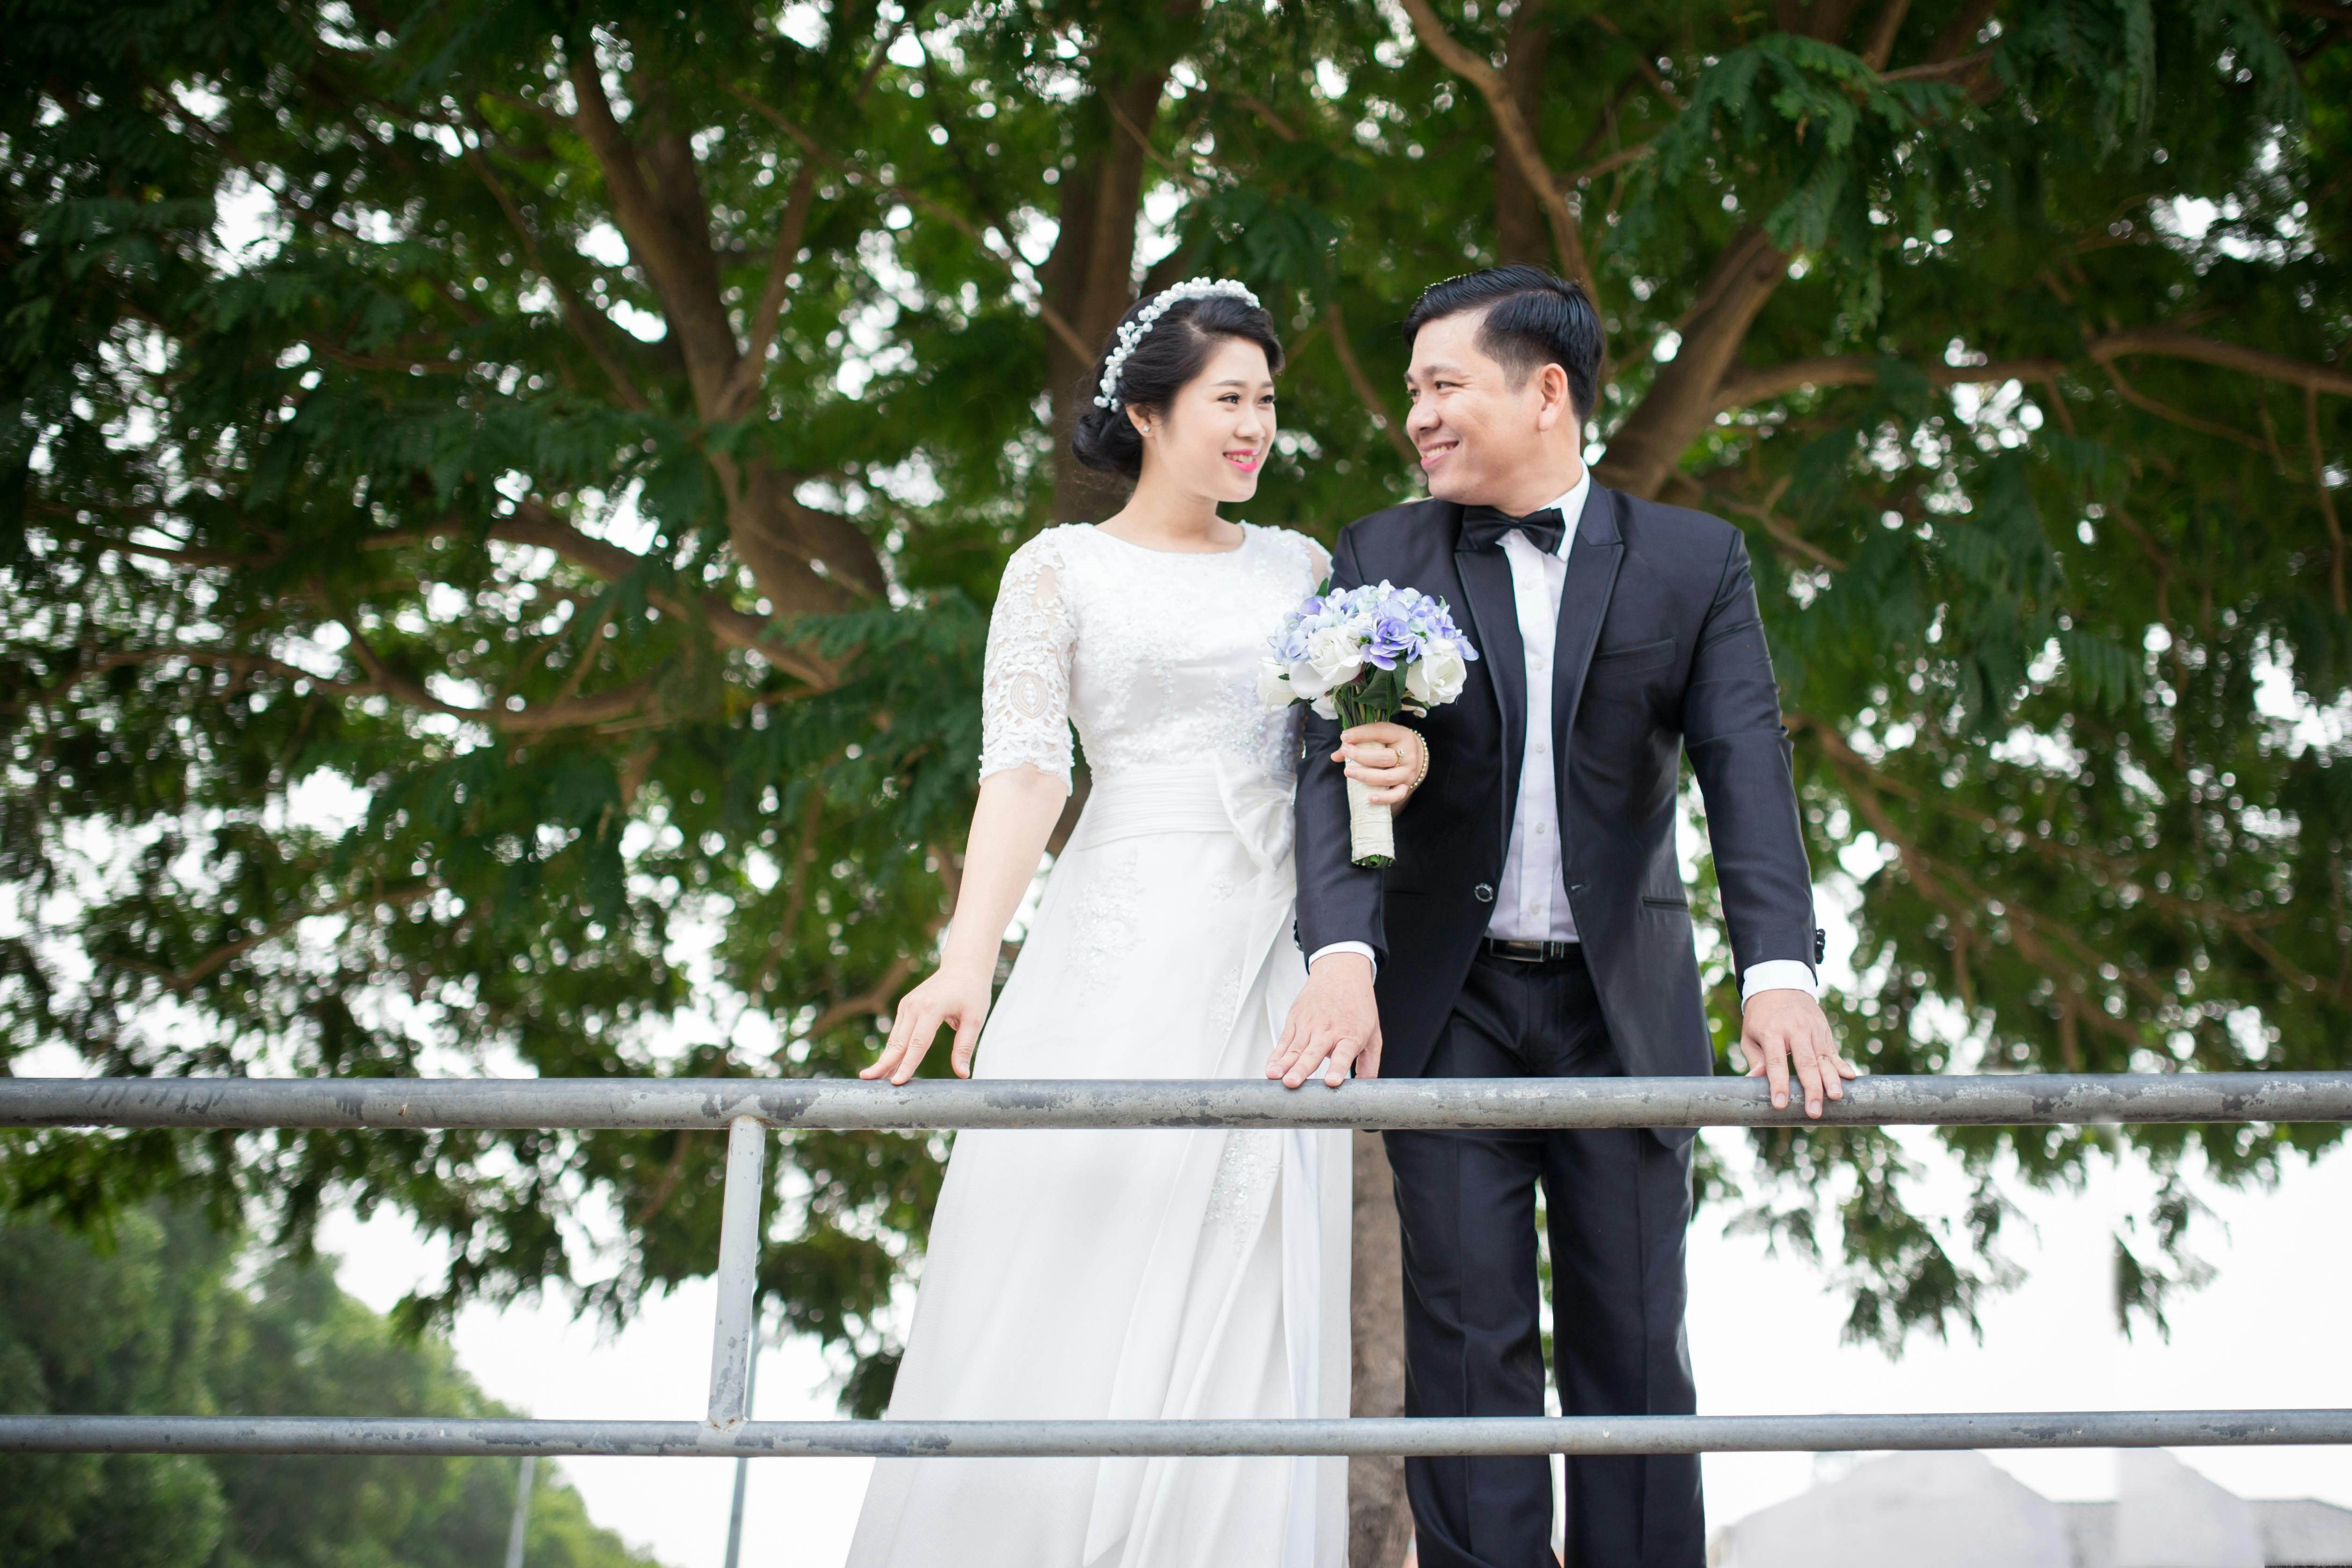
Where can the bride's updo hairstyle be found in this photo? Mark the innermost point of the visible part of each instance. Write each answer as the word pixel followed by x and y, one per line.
pixel 1174 345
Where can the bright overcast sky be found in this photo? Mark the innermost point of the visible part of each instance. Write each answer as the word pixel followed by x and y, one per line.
pixel 1764 1332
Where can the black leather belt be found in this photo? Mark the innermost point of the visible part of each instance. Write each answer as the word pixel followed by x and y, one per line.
pixel 1531 952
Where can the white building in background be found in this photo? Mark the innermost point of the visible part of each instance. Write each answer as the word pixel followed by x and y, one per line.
pixel 1962 1510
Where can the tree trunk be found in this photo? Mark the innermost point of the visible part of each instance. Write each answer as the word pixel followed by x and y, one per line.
pixel 1522 229
pixel 1089 278
pixel 1644 451
pixel 1379 1525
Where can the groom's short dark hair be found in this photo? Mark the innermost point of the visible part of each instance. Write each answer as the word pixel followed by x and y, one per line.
pixel 1533 319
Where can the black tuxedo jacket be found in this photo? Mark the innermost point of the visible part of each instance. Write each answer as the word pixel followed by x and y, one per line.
pixel 1660 649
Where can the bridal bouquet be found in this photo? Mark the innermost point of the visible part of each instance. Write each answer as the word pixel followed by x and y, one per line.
pixel 1364 655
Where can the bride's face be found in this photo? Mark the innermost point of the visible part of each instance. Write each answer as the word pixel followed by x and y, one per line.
pixel 1212 438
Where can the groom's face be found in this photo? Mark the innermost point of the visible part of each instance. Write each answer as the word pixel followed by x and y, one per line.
pixel 1481 430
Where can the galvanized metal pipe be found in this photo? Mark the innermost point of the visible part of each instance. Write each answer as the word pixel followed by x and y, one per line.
pixel 978 1439
pixel 518 1527
pixel 739 1273
pixel 1975 1099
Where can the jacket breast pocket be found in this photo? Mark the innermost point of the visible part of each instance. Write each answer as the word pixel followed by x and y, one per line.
pixel 1641 657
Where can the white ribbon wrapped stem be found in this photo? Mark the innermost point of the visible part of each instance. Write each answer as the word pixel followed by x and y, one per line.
pixel 1371 833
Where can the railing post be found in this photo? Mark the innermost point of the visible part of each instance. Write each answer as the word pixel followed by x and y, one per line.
pixel 738 1271
pixel 518 1532
pixel 743 1470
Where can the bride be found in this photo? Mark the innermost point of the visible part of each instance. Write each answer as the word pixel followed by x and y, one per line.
pixel 1125 1274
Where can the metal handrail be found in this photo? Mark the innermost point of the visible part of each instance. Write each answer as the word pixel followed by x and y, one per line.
pixel 752 1108
pixel 1046 1440
pixel 788 1104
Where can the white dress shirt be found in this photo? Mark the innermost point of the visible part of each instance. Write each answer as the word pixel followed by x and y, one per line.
pixel 1531 897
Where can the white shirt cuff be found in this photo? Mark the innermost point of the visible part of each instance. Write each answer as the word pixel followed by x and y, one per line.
pixel 1778 975
pixel 1365 948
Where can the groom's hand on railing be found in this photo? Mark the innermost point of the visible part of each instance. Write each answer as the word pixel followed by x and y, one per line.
pixel 1334 1025
pixel 1780 1029
pixel 951 997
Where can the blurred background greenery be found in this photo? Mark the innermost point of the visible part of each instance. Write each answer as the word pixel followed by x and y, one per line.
pixel 498 506
pixel 152 1316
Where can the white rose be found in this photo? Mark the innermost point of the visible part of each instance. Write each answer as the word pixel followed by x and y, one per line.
pixel 1274 688
pixel 1438 675
pixel 1335 656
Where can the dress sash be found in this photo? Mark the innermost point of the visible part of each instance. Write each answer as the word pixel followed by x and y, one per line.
pixel 1221 796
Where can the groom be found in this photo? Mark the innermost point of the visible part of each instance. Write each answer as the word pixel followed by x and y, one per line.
pixel 1535 924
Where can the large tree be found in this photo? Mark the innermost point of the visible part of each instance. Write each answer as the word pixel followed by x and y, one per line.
pixel 500 503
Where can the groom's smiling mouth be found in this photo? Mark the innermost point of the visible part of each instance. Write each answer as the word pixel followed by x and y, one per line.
pixel 1431 451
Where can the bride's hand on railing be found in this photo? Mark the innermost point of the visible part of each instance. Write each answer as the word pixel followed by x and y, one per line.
pixel 951 997
pixel 1392 758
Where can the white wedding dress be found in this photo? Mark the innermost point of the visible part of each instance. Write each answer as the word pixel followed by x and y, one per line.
pixel 1126 1274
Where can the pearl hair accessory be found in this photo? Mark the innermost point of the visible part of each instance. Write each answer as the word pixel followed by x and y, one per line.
pixel 1135 331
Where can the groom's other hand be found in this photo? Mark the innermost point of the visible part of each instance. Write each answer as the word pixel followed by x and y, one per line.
pixel 1782 1028
pixel 1335 1024
pixel 1388 757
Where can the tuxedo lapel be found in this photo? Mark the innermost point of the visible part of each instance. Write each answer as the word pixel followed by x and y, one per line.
pixel 1591 578
pixel 1491 611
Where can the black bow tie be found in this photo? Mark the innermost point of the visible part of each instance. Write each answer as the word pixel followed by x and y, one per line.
pixel 1483 528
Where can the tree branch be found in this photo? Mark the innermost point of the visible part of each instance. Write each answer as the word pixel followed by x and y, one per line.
pixel 1782 534
pixel 685 280
pixel 1518 137
pixel 1266 114
pixel 1959 34
pixel 1602 165
pixel 2326 498
pixel 2140 400
pixel 872 1000
pixel 582 321
pixel 1645 449
pixel 1368 394
pixel 856 176
pixel 743 386
pixel 1881 38
pixel 2173 343
pixel 532 524
pixel 1643 63
pixel 566 713
pixel 1943 70
pixel 180 982
pixel 1747 384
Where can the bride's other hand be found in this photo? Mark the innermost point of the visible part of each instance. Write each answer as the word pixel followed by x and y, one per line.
pixel 950 998
pixel 1015 815
pixel 1388 756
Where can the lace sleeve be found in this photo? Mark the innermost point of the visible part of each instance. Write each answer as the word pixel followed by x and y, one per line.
pixel 1025 696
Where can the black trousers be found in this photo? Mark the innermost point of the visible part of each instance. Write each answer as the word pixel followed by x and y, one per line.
pixel 1618 1203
